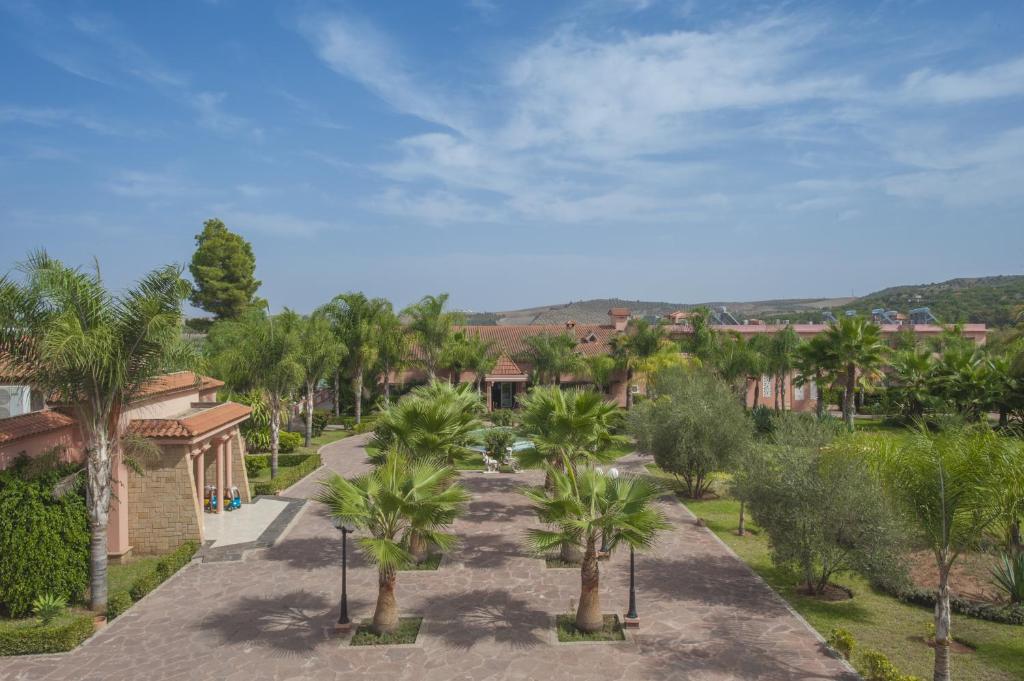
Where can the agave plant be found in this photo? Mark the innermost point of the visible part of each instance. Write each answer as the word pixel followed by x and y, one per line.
pixel 48 607
pixel 1008 575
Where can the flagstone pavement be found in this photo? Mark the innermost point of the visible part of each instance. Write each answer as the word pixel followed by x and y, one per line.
pixel 488 611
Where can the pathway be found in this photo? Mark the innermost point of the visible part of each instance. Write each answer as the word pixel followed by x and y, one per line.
pixel 488 611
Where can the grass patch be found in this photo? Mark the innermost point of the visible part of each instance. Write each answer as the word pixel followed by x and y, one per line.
pixel 876 620
pixel 407 631
pixel 568 633
pixel 122 576
pixel 431 563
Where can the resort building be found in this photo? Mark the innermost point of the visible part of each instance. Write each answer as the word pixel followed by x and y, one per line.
pixel 154 511
pixel 511 374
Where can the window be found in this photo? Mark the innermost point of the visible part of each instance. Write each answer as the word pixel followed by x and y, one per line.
pixel 766 386
pixel 798 393
pixel 814 390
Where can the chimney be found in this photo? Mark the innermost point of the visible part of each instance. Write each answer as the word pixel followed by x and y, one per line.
pixel 571 324
pixel 619 317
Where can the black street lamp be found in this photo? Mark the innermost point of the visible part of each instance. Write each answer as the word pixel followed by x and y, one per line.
pixel 344 623
pixel 632 618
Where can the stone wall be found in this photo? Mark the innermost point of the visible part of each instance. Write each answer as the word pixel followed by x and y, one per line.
pixel 163 513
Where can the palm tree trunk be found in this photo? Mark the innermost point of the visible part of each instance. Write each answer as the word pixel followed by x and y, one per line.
pixel 309 413
pixel 743 527
pixel 782 390
pixel 387 384
pixel 942 627
pixel 337 393
pixel 851 386
pixel 819 406
pixel 385 615
pixel 589 617
pixel 629 388
pixel 418 547
pixel 569 553
pixel 757 392
pixel 357 388
pixel 275 434
pixel 98 491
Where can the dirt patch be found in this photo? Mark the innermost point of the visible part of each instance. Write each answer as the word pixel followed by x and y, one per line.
pixel 954 646
pixel 831 593
pixel 971 577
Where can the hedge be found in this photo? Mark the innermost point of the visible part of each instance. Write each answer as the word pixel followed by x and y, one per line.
pixel 993 612
pixel 291 469
pixel 29 637
pixel 44 543
pixel 175 560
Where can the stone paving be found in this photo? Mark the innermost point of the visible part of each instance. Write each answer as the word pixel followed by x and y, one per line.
pixel 488 610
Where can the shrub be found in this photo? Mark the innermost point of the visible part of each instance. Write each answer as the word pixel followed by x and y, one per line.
pixel 824 513
pixel 841 641
pixel 366 425
pixel 1008 575
pixel 293 468
pixel 117 603
pixel 48 607
pixel 257 464
pixel 143 585
pixel 57 637
pixel 502 417
pixel 288 442
pixel 1004 614
pixel 497 441
pixel 764 419
pixel 694 428
pixel 44 543
pixel 874 666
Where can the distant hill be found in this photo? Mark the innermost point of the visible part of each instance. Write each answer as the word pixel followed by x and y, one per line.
pixel 989 300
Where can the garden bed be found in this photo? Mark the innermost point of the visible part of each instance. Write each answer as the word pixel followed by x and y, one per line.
pixel 29 636
pixel 568 633
pixel 408 630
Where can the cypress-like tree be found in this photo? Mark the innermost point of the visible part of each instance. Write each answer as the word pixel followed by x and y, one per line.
pixel 223 268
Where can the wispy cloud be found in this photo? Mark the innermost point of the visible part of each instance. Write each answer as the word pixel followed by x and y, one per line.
pixel 137 184
pixel 1005 79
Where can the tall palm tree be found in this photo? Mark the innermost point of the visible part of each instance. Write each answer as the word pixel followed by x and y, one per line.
pixel 480 358
pixel 317 353
pixel 392 346
pixel 813 364
pixel 911 380
pixel 600 368
pixel 943 482
pixel 784 345
pixel 734 360
pixel 66 333
pixel 437 420
pixel 551 355
pixel 355 319
pixel 431 324
pixel 963 378
pixel 585 506
pixel 265 354
pixel 390 503
pixel 641 341
pixel 856 349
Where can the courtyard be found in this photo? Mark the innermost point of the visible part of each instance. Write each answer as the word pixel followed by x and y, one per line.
pixel 488 610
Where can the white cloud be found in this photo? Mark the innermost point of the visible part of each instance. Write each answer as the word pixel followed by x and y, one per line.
pixel 209 106
pixel 274 223
pixel 137 184
pixel 49 117
pixel 1005 79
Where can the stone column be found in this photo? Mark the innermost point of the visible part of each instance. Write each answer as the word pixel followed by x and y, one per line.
pixel 220 477
pixel 487 390
pixel 227 459
pixel 200 463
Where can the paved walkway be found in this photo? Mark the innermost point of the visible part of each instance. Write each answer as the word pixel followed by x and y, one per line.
pixel 488 611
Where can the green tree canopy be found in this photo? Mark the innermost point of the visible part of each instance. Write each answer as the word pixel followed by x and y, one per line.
pixel 223 269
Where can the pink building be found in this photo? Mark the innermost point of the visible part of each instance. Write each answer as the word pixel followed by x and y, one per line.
pixel 199 445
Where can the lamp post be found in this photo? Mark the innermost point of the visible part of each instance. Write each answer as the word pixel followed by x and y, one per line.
pixel 344 623
pixel 632 620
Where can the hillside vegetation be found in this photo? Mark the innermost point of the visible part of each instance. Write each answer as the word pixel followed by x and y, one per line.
pixel 995 301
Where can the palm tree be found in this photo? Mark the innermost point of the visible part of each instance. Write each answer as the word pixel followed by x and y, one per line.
pixel 962 377
pixel 735 360
pixel 784 345
pixel 760 348
pixel 912 376
pixel 355 319
pixel 856 349
pixel 641 341
pixel 390 503
pixel 392 346
pixel 479 358
pixel 431 325
pixel 264 353
pixel 585 506
pixel 813 364
pixel 600 368
pixel 437 420
pixel 67 334
pixel 317 353
pixel 943 483
pixel 551 355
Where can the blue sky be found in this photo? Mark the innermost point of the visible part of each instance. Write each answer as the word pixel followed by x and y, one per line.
pixel 517 153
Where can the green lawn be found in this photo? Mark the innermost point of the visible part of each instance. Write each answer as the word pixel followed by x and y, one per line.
pixel 876 621
pixel 121 577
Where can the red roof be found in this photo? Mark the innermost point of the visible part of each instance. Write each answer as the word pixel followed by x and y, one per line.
pixel 192 425
pixel 506 367
pixel 179 380
pixel 34 423
pixel 592 339
pixel 619 312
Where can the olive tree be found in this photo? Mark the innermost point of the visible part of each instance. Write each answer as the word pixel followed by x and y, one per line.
pixel 693 427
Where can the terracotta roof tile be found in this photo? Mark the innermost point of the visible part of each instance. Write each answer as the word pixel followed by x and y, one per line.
pixel 33 423
pixel 506 367
pixel 619 312
pixel 179 380
pixel 509 339
pixel 190 426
